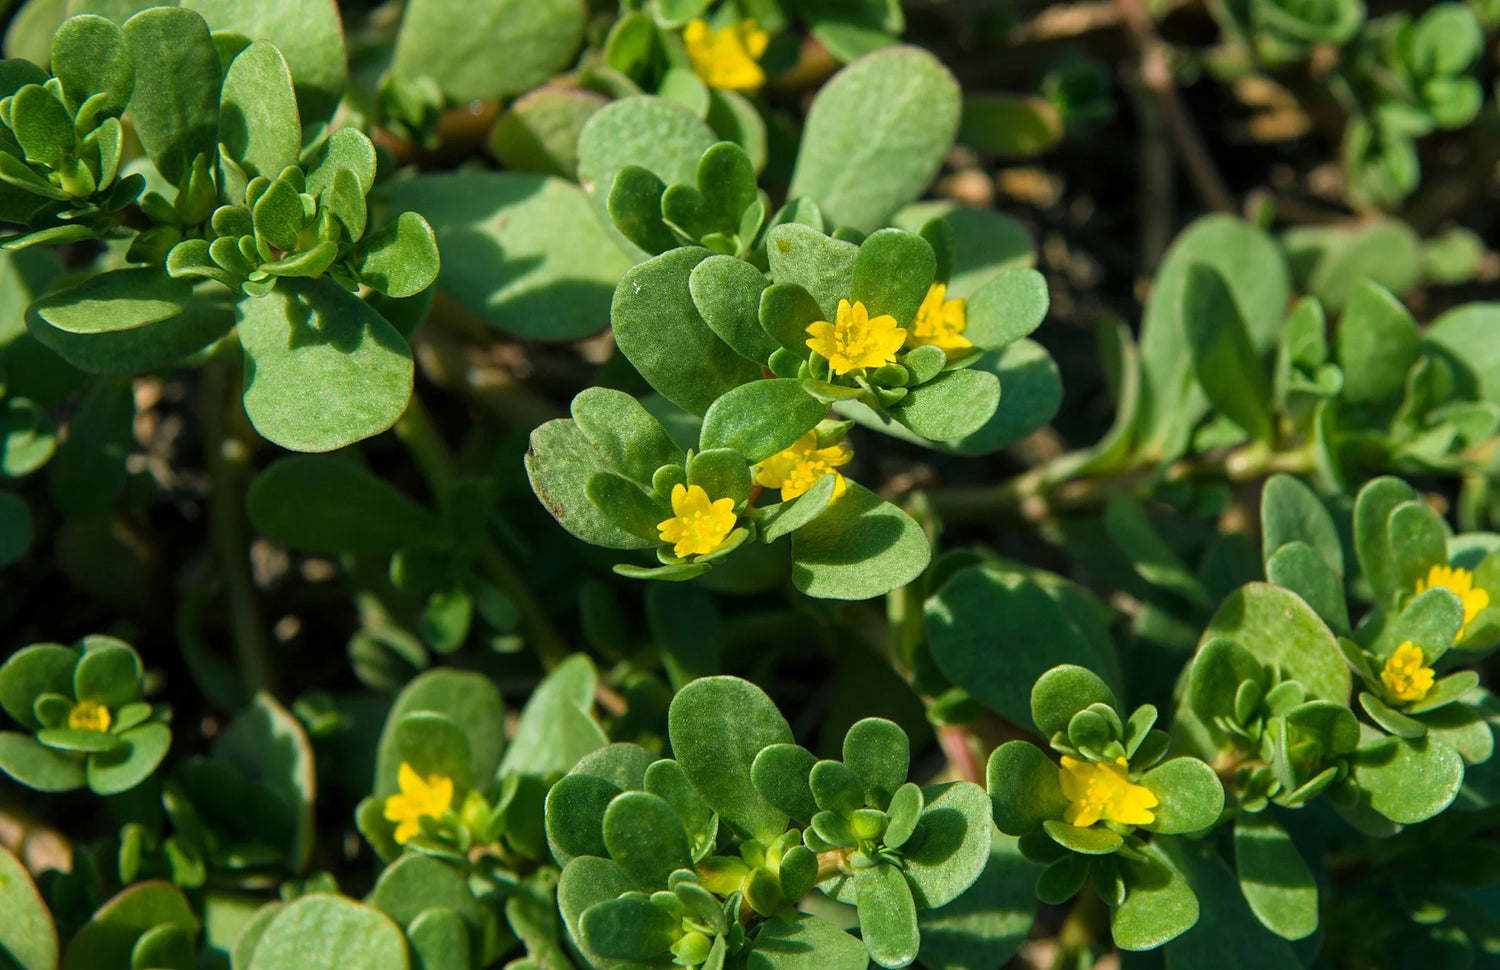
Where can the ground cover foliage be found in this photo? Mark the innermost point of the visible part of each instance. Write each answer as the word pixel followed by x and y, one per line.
pixel 754 484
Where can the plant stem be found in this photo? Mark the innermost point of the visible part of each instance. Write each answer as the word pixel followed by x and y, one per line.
pixel 535 623
pixel 1043 493
pixel 417 433
pixel 229 467
pixel 1156 75
pixel 1077 933
pixel 415 430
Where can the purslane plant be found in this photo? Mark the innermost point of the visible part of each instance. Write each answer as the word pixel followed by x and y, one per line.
pixel 1307 741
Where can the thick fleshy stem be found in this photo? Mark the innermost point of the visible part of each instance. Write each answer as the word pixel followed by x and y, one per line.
pixel 229 467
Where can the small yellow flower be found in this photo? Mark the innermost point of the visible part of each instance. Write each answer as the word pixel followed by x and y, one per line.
pixel 419 798
pixel 1404 674
pixel 726 59
pixel 940 324
pixel 856 339
pixel 798 468
pixel 1104 790
pixel 1461 581
pixel 698 525
pixel 89 716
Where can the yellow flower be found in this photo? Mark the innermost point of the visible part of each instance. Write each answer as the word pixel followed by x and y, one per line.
pixel 1104 790
pixel 798 468
pixel 419 798
pixel 726 59
pixel 940 324
pixel 698 526
pixel 856 339
pixel 1461 581
pixel 89 716
pixel 1404 675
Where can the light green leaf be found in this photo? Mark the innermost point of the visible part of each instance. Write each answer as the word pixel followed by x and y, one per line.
pixel 105 941
pixel 322 369
pixel 861 172
pixel 175 106
pixel 324 932
pixel 491 52
pixel 258 123
pixel 557 268
pixel 401 259
pixel 1273 876
pixel 887 916
pixel 110 302
pixel 657 326
pixel 27 935
pixel 1228 368
pixel 718 725
pixel 309 34
pixel 862 546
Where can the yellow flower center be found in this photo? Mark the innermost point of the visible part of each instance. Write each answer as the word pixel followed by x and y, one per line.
pixel 698 525
pixel 940 324
pixel 1461 582
pixel 726 59
pixel 798 468
pixel 419 798
pixel 89 716
pixel 856 339
pixel 1103 790
pixel 1405 675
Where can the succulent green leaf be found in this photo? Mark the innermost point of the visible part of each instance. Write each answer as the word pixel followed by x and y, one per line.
pixel 1376 344
pixel 1062 692
pixel 1303 570
pixel 259 127
pixel 175 105
pixel 1159 905
pixel 820 264
pixel 541 224
pixel 28 936
pixel 38 767
pixel 892 273
pixel 1024 788
pixel 887 916
pixel 997 635
pixel 658 328
pixel 324 932
pixel 880 754
pixel 1408 781
pixel 645 837
pixel 1225 361
pixel 90 56
pixel 141 751
pixel 955 828
pixel 780 773
pixel 559 464
pixel 953 406
pixel 494 52
pixel 718 725
pixel 859 173
pixel 760 418
pixel 1278 628
pixel 330 505
pixel 631 927
pixel 800 941
pixel 862 546
pixel 1189 793
pixel 322 369
pixel 401 259
pixel 1273 876
pixel 727 292
pixel 105 941
pixel 124 299
pixel 308 33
